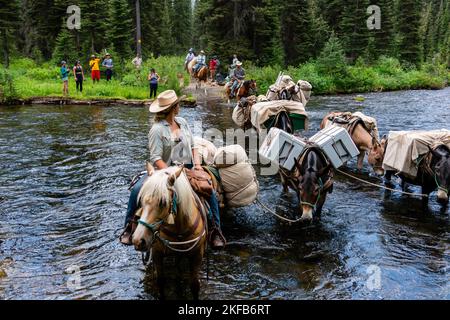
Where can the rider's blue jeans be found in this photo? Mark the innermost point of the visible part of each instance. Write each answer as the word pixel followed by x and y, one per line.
pixel 233 87
pixel 134 205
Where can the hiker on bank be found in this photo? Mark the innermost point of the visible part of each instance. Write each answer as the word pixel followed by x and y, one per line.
pixel 65 77
pixel 153 79
pixel 137 61
pixel 108 64
pixel 94 64
pixel 78 74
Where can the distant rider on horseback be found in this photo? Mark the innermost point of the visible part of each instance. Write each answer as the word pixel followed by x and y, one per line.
pixel 189 57
pixel 201 61
pixel 238 76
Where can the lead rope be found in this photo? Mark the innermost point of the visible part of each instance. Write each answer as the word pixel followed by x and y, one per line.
pixel 264 207
pixel 380 186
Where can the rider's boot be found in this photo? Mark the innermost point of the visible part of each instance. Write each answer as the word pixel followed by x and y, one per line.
pixel 127 234
pixel 216 239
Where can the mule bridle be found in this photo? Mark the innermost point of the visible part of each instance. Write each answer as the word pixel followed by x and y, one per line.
pixel 439 186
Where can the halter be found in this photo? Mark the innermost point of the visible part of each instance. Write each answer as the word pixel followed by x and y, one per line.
pixel 155 228
pixel 313 206
pixel 322 186
pixel 438 185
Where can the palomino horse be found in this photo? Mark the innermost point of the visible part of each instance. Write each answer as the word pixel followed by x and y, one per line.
pixel 363 138
pixel 247 88
pixel 433 173
pixel 201 75
pixel 312 180
pixel 173 220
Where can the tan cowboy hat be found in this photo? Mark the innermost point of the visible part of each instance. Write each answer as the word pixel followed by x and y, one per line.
pixel 202 52
pixel 164 101
pixel 239 63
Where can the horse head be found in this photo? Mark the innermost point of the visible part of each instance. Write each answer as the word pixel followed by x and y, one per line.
pixel 163 200
pixel 376 156
pixel 315 180
pixel 441 158
pixel 284 122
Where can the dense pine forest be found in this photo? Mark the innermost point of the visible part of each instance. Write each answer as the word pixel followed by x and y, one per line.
pixel 412 34
pixel 263 31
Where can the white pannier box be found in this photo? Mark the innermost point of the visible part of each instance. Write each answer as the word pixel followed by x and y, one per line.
pixel 337 144
pixel 281 148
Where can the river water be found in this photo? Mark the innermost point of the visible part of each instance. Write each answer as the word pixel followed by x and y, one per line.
pixel 64 174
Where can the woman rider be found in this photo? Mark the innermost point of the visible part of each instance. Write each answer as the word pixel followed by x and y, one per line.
pixel 170 141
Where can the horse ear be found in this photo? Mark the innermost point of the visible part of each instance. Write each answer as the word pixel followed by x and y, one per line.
pixel 436 153
pixel 325 170
pixel 150 168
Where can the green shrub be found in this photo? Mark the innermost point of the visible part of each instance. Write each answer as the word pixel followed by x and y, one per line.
pixel 7 88
pixel 388 66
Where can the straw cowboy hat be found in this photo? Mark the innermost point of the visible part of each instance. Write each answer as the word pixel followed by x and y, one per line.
pixel 164 101
pixel 239 63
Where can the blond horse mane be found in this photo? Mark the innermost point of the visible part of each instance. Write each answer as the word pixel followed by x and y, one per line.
pixel 156 186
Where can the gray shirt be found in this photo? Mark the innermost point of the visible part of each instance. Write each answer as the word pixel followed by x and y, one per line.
pixel 108 63
pixel 239 73
pixel 163 146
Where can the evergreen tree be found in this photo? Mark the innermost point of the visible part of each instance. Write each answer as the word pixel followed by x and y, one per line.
pixel 332 58
pixel 9 11
pixel 94 27
pixel 120 30
pixel 408 28
pixel 304 30
pixel 383 39
pixel 353 30
pixel 166 32
pixel 66 47
pixel 182 25
pixel 266 34
pixel 151 22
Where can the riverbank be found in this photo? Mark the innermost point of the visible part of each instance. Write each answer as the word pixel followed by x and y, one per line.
pixel 25 82
pixel 186 102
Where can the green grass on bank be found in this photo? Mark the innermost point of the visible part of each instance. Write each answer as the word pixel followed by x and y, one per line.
pixel 24 79
pixel 387 74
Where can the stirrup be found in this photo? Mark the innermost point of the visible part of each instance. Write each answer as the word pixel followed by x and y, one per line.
pixel 129 228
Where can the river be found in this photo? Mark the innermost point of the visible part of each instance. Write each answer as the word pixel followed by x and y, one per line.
pixel 64 174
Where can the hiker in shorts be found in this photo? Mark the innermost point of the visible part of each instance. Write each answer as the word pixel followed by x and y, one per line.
pixel 94 64
pixel 65 77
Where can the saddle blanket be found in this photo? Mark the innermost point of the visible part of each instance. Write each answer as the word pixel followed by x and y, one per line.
pixel 405 149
